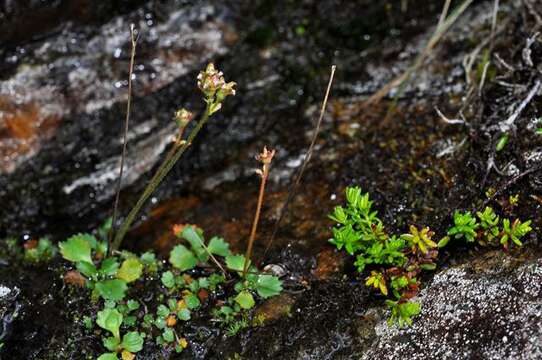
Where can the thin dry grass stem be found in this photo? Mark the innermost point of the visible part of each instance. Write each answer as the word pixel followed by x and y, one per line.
pixel 308 156
pixel 444 13
pixel 491 44
pixel 508 123
pixel 265 157
pixel 450 121
pixel 441 29
pixel 483 79
pixel 470 59
pixel 133 39
pixel 494 21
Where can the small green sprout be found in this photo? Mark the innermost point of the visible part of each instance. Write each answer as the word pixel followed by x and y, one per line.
pixel 489 222
pixel 402 312
pixel 503 140
pixel 464 226
pixel 40 251
pixel 236 326
pixel 110 320
pixel 514 231
pixel 401 284
pixel 358 222
pixel 513 200
pixel 378 281
pixel 88 323
pixel 538 130
pixel 420 239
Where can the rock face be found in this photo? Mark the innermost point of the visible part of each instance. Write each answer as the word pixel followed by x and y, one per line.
pixel 63 98
pixel 62 101
pixel 487 308
pixel 9 310
pixel 63 94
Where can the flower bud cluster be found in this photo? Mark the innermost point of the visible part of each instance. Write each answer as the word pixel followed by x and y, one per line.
pixel 183 117
pixel 211 82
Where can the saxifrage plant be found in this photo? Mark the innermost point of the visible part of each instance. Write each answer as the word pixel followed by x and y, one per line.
pixel 201 275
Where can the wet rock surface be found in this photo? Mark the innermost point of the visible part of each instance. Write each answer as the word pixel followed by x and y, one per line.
pixel 61 111
pixel 9 310
pixel 62 100
pixel 489 307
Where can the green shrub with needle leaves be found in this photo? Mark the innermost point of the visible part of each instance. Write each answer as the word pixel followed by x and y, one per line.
pixel 395 261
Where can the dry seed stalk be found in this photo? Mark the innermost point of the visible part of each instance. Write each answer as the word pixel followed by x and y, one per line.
pixel 308 155
pixel 133 39
pixel 265 157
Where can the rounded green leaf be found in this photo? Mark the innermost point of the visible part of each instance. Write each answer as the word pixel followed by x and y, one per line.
pixel 86 268
pixel 132 341
pixel 192 301
pixel 132 305
pixel 218 246
pixel 111 343
pixel 162 311
pixel 168 279
pixel 160 323
pixel 183 314
pixel 110 319
pixel 182 258
pixel 235 262
pixel 130 270
pixel 112 289
pixel 245 300
pixel 268 285
pixel 108 356
pixel 109 267
pixel 77 248
pixel 195 238
pixel 168 335
pixel 148 258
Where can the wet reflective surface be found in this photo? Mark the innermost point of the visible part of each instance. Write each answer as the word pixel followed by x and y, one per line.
pixel 62 102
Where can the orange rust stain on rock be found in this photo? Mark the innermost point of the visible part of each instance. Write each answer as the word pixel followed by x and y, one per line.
pixel 329 262
pixel 22 130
